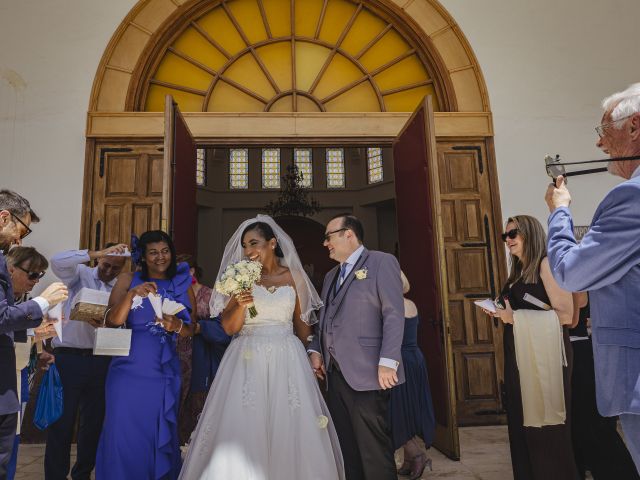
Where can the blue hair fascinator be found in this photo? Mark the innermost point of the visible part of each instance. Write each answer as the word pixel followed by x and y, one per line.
pixel 136 254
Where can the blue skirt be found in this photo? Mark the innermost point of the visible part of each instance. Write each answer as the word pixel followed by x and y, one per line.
pixel 410 407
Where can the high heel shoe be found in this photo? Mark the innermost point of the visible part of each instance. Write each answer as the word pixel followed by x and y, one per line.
pixel 420 462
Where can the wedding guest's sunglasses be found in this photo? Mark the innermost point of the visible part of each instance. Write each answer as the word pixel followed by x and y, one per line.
pixel 513 233
pixel 33 275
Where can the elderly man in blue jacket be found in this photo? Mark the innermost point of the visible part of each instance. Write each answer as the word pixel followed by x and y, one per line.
pixel 16 215
pixel 607 264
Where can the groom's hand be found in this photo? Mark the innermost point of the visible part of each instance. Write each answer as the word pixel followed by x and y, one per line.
pixel 315 359
pixel 387 377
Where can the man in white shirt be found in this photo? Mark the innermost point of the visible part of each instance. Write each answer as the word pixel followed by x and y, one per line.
pixel 82 374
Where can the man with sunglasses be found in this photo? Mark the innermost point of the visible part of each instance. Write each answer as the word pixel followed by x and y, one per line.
pixel 83 375
pixel 15 217
pixel 607 264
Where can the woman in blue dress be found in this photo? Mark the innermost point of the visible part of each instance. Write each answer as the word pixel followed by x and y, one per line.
pixel 410 407
pixel 139 439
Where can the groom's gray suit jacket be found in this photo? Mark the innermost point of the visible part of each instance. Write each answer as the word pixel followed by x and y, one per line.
pixel 363 321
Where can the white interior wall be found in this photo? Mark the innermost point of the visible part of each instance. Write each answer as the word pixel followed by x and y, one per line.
pixel 547 65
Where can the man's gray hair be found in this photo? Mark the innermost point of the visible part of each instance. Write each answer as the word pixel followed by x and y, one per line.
pixel 623 104
pixel 16 204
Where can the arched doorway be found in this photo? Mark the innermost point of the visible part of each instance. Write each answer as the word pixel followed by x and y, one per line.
pixel 307 236
pixel 325 74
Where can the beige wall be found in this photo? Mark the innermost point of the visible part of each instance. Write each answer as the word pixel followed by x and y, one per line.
pixel 547 64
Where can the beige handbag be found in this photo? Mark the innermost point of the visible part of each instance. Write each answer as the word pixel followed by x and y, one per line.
pixel 114 342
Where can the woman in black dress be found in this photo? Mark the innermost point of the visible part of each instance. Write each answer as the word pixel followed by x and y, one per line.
pixel 537 453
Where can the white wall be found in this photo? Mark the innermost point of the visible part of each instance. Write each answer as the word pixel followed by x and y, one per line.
pixel 547 65
pixel 49 56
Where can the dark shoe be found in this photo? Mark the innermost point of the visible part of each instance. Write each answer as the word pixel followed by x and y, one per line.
pixel 405 469
pixel 419 463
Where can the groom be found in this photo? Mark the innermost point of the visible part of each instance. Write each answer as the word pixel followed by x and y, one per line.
pixel 359 334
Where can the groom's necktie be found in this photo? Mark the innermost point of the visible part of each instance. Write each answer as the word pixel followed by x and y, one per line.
pixel 343 274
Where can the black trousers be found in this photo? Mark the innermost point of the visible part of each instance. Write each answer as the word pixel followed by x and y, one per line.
pixel 83 378
pixel 596 443
pixel 8 424
pixel 361 422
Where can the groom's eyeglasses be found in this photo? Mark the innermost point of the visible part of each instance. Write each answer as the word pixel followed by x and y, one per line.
pixel 513 233
pixel 327 236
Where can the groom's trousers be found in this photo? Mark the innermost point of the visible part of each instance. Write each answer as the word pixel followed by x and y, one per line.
pixel 361 422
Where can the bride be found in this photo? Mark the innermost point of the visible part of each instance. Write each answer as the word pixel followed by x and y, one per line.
pixel 265 418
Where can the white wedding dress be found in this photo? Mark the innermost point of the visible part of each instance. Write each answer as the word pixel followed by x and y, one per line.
pixel 265 418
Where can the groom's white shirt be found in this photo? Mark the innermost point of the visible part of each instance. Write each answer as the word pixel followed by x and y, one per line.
pixel 350 263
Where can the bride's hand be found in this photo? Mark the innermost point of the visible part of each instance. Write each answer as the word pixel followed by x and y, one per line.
pixel 315 359
pixel 244 299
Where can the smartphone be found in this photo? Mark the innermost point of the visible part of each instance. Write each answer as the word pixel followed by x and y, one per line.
pixel 500 302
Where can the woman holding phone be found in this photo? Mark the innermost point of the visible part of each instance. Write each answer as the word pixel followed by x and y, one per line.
pixel 537 452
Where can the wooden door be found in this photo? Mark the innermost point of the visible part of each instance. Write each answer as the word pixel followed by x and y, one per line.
pixel 421 248
pixel 179 212
pixel 126 193
pixel 472 271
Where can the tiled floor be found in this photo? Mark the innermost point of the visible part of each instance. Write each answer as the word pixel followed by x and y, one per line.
pixel 484 456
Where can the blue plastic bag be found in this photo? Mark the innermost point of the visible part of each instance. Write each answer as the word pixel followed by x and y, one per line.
pixel 50 400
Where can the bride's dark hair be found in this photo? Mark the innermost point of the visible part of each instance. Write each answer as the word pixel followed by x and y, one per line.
pixel 266 232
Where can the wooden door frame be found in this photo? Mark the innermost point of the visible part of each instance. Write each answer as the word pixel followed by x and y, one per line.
pixel 146 128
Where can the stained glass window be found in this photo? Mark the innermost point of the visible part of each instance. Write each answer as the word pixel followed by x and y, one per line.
pixel 303 160
pixel 335 168
pixel 201 168
pixel 239 168
pixel 270 168
pixel 374 164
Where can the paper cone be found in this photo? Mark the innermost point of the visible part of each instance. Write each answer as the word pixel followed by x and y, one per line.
pixel 156 303
pixel 55 313
pixel 171 307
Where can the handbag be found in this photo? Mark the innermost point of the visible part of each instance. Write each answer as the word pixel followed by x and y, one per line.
pixel 50 399
pixel 115 342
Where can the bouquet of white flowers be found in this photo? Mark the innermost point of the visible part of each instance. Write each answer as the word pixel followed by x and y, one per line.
pixel 240 277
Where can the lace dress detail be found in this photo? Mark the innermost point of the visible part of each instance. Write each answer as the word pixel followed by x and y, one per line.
pixel 265 404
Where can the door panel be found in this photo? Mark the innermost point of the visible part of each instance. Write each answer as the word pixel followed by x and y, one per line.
pixel 180 214
pixel 472 270
pixel 421 249
pixel 124 200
